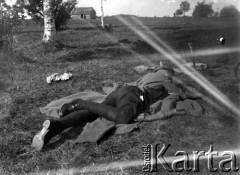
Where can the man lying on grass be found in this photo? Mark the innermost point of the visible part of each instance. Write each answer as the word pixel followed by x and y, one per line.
pixel 122 106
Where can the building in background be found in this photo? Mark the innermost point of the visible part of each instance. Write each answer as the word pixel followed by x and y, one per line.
pixel 84 13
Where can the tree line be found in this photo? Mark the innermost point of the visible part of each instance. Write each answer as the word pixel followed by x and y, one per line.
pixel 204 10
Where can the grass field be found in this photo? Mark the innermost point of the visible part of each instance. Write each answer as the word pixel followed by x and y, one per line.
pixel 93 56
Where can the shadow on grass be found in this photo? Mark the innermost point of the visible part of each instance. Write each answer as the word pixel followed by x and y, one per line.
pixel 77 56
pixel 113 52
pixel 142 47
pixel 84 28
pixel 110 52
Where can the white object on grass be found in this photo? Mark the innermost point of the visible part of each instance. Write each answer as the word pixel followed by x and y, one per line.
pixel 141 68
pixel 65 76
pixel 221 39
pixel 58 77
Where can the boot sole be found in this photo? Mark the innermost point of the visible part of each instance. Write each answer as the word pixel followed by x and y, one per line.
pixel 38 140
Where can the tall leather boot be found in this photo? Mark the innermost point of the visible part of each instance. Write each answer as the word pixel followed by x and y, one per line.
pixel 102 110
pixel 68 108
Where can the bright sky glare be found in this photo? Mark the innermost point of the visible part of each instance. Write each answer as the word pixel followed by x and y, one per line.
pixel 149 8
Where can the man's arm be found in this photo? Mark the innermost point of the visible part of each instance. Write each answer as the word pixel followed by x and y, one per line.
pixel 173 89
pixel 161 115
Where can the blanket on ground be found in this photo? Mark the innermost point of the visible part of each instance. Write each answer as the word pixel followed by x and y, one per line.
pixel 94 131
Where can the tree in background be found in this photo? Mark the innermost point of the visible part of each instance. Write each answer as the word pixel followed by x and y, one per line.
pixel 61 10
pixel 178 12
pixel 11 18
pixel 203 10
pixel 229 12
pixel 49 21
pixel 102 16
pixel 185 7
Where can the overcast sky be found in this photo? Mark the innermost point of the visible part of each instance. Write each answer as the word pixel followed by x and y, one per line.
pixel 150 8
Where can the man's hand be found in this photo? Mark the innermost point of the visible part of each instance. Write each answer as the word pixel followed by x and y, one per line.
pixel 141 117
